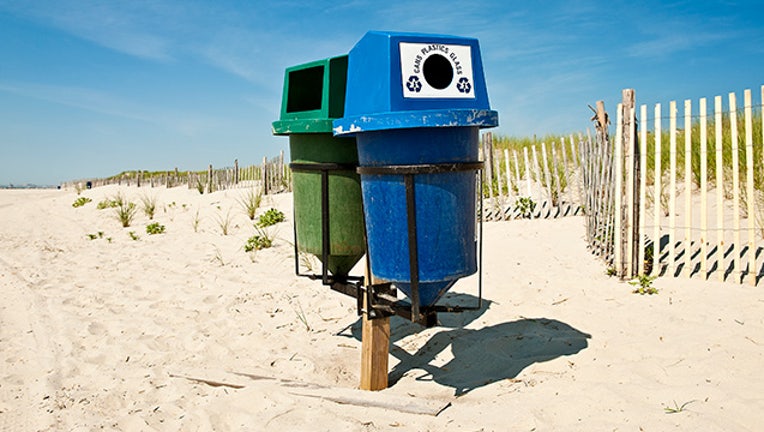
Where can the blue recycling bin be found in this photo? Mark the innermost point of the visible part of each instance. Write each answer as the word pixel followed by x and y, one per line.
pixel 415 103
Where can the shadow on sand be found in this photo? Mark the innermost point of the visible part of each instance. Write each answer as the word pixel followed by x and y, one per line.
pixel 482 356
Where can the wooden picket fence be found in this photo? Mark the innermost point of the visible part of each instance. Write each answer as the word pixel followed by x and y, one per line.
pixel 536 181
pixel 687 200
pixel 272 175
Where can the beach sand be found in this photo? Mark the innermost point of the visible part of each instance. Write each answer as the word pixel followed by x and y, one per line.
pixel 187 331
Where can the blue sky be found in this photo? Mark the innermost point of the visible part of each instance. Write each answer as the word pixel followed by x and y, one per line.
pixel 93 88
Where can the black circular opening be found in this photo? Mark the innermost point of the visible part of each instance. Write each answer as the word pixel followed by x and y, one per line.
pixel 438 71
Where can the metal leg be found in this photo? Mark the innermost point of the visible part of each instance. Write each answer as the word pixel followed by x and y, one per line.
pixel 408 180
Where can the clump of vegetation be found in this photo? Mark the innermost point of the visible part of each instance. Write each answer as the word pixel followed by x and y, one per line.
pixel 106 203
pixel 81 201
pixel 644 285
pixel 125 210
pixel 250 202
pixel 676 408
pixel 307 260
pixel 149 204
pixel 262 240
pixel 224 222
pixel 195 221
pixel 270 217
pixel 155 228
pixel 133 235
pixel 649 257
pixel 525 207
pixel 98 235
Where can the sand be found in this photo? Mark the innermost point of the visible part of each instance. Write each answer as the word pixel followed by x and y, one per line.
pixel 187 331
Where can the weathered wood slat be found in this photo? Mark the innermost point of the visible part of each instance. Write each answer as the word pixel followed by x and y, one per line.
pixel 688 187
pixel 750 199
pixel 703 189
pixel 719 144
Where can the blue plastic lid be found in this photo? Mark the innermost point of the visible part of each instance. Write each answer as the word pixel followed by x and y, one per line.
pixel 405 80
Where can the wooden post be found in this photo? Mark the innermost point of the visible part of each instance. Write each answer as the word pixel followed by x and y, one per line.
pixel 375 347
pixel 631 219
pixel 749 187
pixel 688 187
pixel 672 188
pixel 618 243
pixel 264 176
pixel 703 189
pixel 236 171
pixel 209 179
pixel 538 177
pixel 556 175
pixel 488 159
pixel 507 176
pixel 517 172
pixel 497 170
pixel 547 179
pixel 719 188
pixel 641 240
pixel 735 187
pixel 657 194
pixel 528 185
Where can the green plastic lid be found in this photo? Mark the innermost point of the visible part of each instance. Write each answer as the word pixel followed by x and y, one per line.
pixel 314 95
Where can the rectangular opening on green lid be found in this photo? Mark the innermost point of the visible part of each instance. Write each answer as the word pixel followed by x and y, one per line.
pixel 306 89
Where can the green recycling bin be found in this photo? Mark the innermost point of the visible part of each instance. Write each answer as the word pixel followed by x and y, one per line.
pixel 328 212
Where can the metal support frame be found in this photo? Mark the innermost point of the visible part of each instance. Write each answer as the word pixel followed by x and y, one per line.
pixel 382 300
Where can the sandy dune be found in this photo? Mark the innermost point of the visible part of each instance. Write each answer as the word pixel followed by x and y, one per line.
pixel 186 331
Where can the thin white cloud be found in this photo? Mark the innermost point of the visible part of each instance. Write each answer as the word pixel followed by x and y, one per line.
pixel 134 28
pixel 667 44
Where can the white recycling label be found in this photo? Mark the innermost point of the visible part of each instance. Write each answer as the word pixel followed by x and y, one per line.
pixel 434 70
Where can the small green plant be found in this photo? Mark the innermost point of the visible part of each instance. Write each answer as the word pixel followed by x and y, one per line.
pixel 525 207
pixel 149 204
pixel 307 260
pixel 81 201
pixel 611 271
pixel 649 257
pixel 262 240
pixel 250 202
pixel 270 217
pixel 106 203
pixel 154 228
pixel 108 239
pixel 301 316
pixel 195 221
pixel 644 284
pixel 125 210
pixel 676 408
pixel 92 236
pixel 133 235
pixel 224 222
pixel 299 312
pixel 218 257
